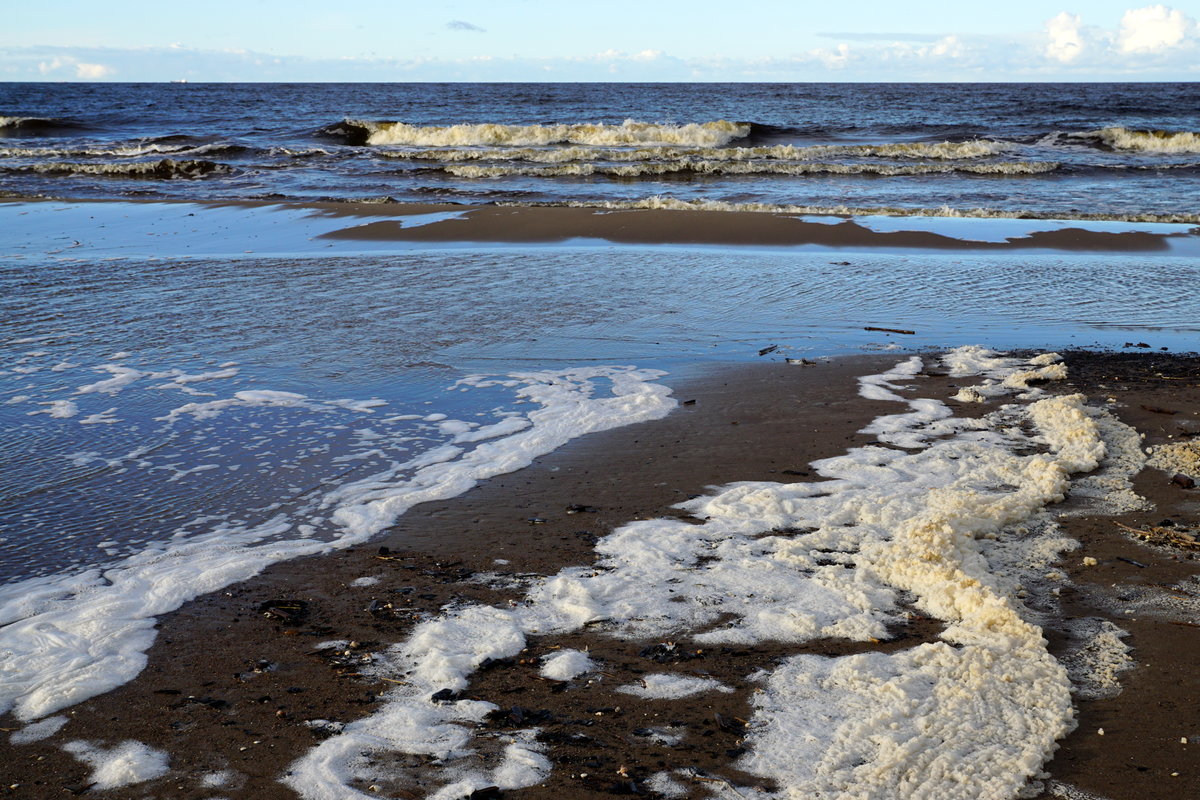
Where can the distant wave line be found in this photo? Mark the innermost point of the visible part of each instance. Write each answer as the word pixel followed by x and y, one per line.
pixel 673 204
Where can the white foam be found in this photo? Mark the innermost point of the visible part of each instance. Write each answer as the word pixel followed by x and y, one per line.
pixel 662 783
pixel 721 167
pixel 66 638
pixel 674 204
pixel 121 377
pixel 1144 141
pixel 122 765
pixel 665 686
pixel 680 153
pixel 630 132
pixel 566 664
pixel 58 409
pixel 106 417
pixel 971 716
pixel 37 731
pixel 1097 658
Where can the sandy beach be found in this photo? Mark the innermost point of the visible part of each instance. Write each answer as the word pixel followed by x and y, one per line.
pixel 242 682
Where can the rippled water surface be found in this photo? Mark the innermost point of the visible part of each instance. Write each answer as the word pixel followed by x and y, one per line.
pixel 1048 150
pixel 144 399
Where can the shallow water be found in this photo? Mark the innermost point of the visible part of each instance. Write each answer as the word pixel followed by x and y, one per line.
pixel 100 352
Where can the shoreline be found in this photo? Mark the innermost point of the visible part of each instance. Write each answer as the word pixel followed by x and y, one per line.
pixel 424 224
pixel 223 671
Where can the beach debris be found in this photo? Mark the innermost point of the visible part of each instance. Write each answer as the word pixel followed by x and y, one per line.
pixel 802 362
pixel 580 508
pixel 890 330
pixel 688 403
pixel 1183 480
pixel 1137 344
pixel 1171 535
pixel 487 793
pixel 1131 561
pixel 767 350
pixel 284 610
pixel 1158 410
pixel 536 521
pixel 444 696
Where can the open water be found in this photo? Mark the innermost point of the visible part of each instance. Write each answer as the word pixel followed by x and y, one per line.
pixel 1118 151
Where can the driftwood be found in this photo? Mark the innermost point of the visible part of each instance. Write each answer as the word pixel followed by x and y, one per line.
pixel 1168 536
pixel 890 330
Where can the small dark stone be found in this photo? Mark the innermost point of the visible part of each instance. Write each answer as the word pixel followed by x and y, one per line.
pixel 444 696
pixel 1183 480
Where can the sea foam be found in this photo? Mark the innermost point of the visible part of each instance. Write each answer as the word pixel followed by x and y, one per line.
pixel 1145 141
pixel 66 638
pixel 974 715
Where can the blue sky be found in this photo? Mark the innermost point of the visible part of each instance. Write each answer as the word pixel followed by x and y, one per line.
pixel 612 40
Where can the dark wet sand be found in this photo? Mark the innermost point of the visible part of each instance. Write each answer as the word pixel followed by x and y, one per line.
pixel 230 687
pixel 523 224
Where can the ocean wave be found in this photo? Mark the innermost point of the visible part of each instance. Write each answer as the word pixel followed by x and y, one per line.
pixel 749 168
pixel 1143 141
pixel 673 204
pixel 167 168
pixel 628 133
pixel 32 124
pixel 123 151
pixel 980 148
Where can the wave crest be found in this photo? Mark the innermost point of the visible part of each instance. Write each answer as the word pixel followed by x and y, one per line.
pixel 628 133
pixel 674 204
pixel 13 124
pixel 167 168
pixel 979 148
pixel 684 167
pixel 122 150
pixel 1144 141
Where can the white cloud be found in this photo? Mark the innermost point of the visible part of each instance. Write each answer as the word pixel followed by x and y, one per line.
pixel 92 72
pixel 82 70
pixel 1065 37
pixel 948 47
pixel 462 25
pixel 1153 29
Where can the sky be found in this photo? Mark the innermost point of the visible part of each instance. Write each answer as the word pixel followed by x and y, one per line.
pixel 614 40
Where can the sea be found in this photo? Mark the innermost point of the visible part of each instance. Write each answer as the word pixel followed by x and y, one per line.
pixel 194 387
pixel 1112 151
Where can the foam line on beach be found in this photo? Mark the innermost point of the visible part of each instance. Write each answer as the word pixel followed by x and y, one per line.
pixel 973 715
pixel 69 637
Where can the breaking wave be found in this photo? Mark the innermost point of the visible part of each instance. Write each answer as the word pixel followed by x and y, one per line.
pixel 628 133
pixel 19 125
pixel 979 148
pixel 167 168
pixel 673 204
pixel 1148 141
pixel 749 168
pixel 122 151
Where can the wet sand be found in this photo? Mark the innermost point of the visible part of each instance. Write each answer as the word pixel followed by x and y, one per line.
pixel 522 224
pixel 234 676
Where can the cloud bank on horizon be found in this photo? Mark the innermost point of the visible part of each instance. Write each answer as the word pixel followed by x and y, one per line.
pixel 1155 42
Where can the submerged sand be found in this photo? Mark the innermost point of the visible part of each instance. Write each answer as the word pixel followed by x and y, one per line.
pixel 239 687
